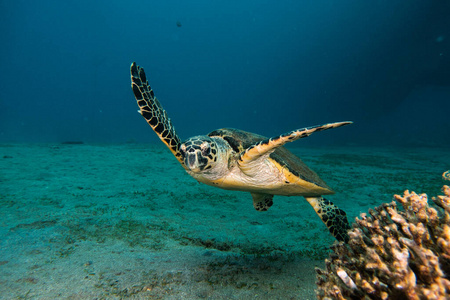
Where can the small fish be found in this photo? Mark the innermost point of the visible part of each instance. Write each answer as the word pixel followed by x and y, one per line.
pixel 446 175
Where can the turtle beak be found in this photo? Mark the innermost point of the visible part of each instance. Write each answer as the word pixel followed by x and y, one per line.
pixel 195 162
pixel 191 162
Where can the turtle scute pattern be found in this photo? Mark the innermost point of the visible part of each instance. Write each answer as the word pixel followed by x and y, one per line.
pixel 268 144
pixel 249 146
pixel 153 112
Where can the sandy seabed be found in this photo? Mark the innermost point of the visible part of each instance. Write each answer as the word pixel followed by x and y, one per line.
pixel 126 221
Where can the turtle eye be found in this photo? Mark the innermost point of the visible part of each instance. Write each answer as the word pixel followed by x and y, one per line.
pixel 183 150
pixel 205 148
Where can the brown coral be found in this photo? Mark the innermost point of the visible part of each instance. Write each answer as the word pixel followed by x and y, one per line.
pixel 393 253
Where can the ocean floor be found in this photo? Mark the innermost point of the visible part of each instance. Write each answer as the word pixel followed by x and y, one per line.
pixel 126 221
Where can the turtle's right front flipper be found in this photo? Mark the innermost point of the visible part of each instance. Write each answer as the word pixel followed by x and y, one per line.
pixel 153 112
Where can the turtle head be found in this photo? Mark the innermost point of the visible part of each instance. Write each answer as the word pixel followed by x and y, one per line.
pixel 199 153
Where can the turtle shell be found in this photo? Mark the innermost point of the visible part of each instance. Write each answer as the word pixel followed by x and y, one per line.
pixel 239 140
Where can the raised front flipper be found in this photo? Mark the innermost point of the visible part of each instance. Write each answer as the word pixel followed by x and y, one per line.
pixel 262 202
pixel 153 112
pixel 333 217
pixel 267 146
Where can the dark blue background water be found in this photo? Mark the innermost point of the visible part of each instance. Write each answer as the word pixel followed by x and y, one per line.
pixel 262 66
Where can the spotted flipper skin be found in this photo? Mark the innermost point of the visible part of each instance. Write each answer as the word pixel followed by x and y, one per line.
pixel 153 112
pixel 262 202
pixel 332 216
pixel 268 145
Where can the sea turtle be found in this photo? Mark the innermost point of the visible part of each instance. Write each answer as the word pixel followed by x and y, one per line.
pixel 234 159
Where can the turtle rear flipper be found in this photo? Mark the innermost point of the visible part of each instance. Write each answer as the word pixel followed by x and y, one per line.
pixel 267 146
pixel 153 112
pixel 262 202
pixel 332 216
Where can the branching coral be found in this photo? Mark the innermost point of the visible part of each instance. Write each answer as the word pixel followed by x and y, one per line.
pixel 393 253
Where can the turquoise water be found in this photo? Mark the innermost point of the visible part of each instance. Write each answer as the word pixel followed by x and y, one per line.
pixel 259 66
pixel 93 206
pixel 112 221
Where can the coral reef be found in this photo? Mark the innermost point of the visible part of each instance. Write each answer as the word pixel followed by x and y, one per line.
pixel 393 253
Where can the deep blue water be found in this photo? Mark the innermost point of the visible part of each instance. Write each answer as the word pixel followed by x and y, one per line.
pixel 262 66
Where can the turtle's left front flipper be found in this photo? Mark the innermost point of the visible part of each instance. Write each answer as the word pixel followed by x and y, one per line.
pixel 153 112
pixel 269 145
pixel 333 217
